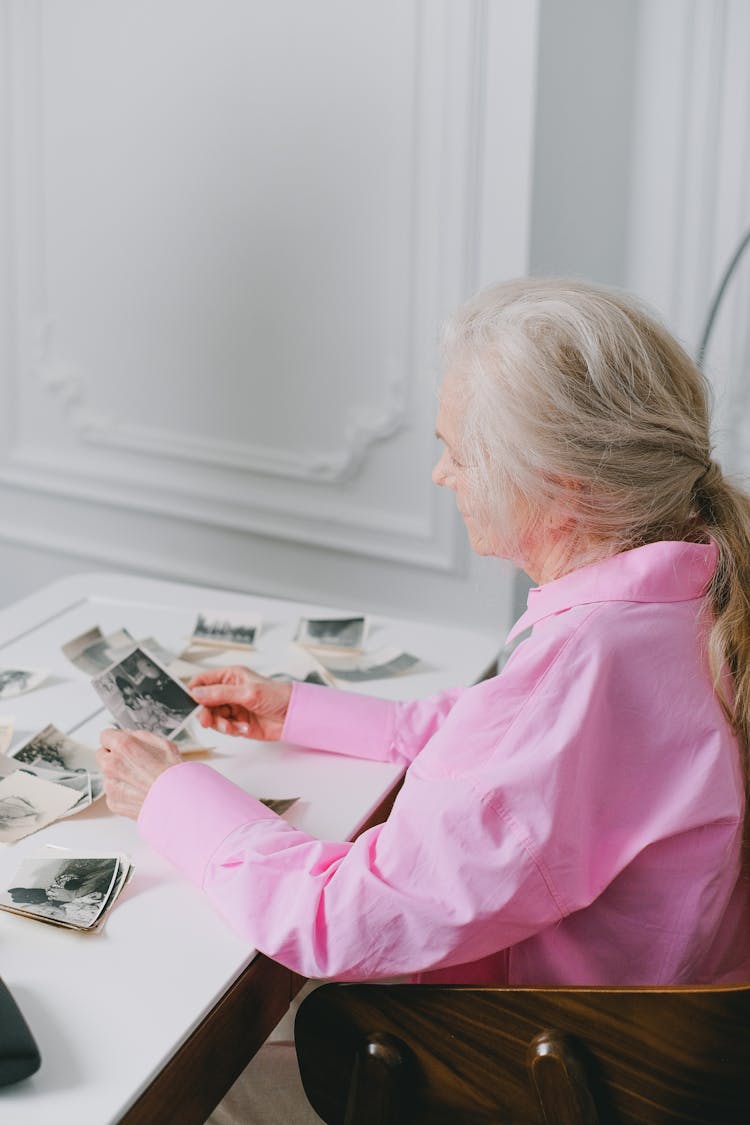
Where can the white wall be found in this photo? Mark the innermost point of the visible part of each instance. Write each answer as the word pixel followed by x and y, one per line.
pixel 229 233
pixel 229 230
pixel 690 194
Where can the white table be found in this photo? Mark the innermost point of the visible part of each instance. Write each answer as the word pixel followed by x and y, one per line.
pixel 151 1019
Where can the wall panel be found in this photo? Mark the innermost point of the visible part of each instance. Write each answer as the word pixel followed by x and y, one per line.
pixel 690 197
pixel 232 232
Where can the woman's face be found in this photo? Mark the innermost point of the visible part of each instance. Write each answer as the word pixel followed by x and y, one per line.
pixel 539 549
pixel 451 472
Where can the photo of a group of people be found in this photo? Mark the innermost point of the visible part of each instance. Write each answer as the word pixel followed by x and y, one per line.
pixel 67 890
pixel 218 628
pixel 140 694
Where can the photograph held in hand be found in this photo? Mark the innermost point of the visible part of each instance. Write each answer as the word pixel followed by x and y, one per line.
pixel 141 695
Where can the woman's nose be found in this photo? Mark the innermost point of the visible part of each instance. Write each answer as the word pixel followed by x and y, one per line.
pixel 441 475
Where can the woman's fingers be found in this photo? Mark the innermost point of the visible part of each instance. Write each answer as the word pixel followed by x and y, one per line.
pixel 231 674
pixel 130 762
pixel 158 741
pixel 123 799
pixel 218 695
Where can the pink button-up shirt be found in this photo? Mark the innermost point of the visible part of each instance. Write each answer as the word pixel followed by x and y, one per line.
pixel 576 819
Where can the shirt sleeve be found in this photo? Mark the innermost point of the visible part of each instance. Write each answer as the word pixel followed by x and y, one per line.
pixel 362 726
pixel 449 878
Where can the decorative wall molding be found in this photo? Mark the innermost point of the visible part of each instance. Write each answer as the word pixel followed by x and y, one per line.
pixel 447 126
pixel 395 540
pixel 364 427
pixel 691 195
pixel 465 221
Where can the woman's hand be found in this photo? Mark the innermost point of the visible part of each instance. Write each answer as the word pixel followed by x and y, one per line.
pixel 131 761
pixel 238 701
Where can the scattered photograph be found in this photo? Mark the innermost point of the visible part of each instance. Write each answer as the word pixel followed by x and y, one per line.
pixel 56 757
pixel 177 666
pixel 382 665
pixel 226 630
pixel 278 805
pixel 347 633
pixel 17 681
pixel 202 655
pixel 77 780
pixel 71 891
pixel 312 677
pixel 187 742
pixel 142 695
pixel 315 678
pixel 92 652
pixel 7 766
pixel 29 803
pixel 7 726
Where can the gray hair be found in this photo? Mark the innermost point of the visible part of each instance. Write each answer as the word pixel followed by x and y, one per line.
pixel 581 403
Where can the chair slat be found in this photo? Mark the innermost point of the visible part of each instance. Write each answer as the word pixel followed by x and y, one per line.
pixel 630 1056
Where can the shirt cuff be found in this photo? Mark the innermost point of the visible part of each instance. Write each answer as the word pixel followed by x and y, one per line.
pixel 189 810
pixel 324 718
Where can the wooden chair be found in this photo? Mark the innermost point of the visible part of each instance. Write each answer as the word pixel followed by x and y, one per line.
pixel 419 1054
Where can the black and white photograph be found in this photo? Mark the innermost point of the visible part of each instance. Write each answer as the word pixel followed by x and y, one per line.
pixel 347 633
pixel 225 630
pixel 142 695
pixel 80 781
pixel 178 666
pixel 188 742
pixel 279 805
pixel 312 677
pixel 385 664
pixel 17 681
pixel 29 803
pixel 93 652
pixel 7 726
pixel 71 892
pixel 52 750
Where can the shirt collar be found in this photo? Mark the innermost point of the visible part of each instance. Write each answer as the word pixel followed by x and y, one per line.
pixel 658 572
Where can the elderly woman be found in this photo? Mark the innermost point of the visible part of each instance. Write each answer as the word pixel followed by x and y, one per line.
pixel 578 818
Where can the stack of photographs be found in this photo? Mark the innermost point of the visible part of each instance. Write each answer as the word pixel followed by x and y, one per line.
pixel 50 776
pixel 75 892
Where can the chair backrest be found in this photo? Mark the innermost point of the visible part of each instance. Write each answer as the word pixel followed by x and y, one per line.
pixel 419 1054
